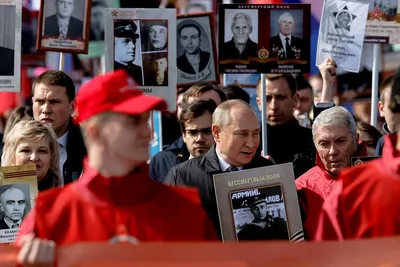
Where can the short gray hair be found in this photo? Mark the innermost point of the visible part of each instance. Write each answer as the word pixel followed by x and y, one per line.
pixel 285 15
pixel 222 114
pixel 242 15
pixel 335 116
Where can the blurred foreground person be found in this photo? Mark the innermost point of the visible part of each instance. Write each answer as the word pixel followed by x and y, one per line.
pixel 114 200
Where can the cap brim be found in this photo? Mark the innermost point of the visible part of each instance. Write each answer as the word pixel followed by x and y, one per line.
pixel 139 104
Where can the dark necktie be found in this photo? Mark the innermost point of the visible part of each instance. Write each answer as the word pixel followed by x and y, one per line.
pixel 16 225
pixel 287 48
pixel 232 169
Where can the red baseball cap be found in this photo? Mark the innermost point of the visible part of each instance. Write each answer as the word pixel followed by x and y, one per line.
pixel 115 92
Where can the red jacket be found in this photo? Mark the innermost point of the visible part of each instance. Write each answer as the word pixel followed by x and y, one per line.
pixel 313 187
pixel 131 208
pixel 366 202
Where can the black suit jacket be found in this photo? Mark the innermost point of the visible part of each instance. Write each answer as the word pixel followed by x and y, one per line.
pixel 75 28
pixel 229 50
pixel 198 172
pixel 184 65
pixel 3 224
pixel 134 71
pixel 7 59
pixel 297 48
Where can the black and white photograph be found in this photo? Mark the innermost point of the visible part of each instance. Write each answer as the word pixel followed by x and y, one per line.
pixel 260 214
pixel 143 42
pixel 127 51
pixel 10 45
pixel 198 6
pixel 154 34
pixel 64 25
pixel 196 49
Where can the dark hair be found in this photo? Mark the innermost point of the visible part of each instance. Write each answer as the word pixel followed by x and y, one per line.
pixel 16 116
pixel 188 26
pixel 201 88
pixel 195 110
pixel 273 77
pixel 386 84
pixel 56 78
pixel 236 92
pixel 302 82
pixel 371 130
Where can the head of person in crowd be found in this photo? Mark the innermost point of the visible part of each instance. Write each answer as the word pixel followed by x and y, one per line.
pixel 114 118
pixel 179 96
pixel 13 202
pixel 236 132
pixel 203 91
pixel 336 138
pixel 241 28
pixel 65 8
pixel 54 100
pixel 316 83
pixel 19 114
pixel 305 92
pixel 282 98
pixel 370 135
pixel 190 38
pixel 196 122
pixel 33 142
pixel 157 35
pixel 286 24
pixel 125 37
pixel 392 119
pixel 258 207
pixel 233 91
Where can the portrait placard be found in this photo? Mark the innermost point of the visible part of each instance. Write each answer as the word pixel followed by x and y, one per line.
pixel 196 49
pixel 383 22
pixel 197 6
pixel 18 190
pixel 64 26
pixel 361 160
pixel 341 33
pixel 259 204
pixel 143 42
pixel 10 45
pixel 267 38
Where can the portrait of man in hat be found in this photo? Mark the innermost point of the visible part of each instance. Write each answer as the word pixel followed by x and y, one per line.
pixel 155 35
pixel 157 73
pixel 264 226
pixel 125 48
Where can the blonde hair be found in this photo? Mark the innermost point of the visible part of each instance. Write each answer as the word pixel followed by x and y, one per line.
pixel 32 131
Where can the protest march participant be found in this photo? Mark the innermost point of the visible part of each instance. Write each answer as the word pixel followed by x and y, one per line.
pixel 336 141
pixel 236 133
pixel 114 200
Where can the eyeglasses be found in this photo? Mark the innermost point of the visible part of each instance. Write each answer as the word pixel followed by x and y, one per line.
pixel 195 133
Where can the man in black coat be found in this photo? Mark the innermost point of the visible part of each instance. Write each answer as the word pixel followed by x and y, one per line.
pixel 63 25
pixel 7 57
pixel 236 133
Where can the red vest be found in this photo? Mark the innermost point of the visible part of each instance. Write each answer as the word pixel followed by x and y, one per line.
pixel 131 208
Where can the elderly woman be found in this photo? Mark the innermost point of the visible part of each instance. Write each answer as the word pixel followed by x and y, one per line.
pixel 32 142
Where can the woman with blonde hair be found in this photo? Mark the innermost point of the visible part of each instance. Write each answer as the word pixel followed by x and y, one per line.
pixel 32 142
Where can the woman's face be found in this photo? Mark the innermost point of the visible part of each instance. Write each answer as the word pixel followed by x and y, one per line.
pixel 34 152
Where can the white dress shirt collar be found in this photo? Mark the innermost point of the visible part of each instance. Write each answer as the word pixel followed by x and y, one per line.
pixel 225 165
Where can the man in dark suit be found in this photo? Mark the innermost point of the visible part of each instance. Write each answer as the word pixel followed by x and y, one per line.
pixel 12 205
pixel 285 45
pixel 236 133
pixel 193 60
pixel 125 37
pixel 62 25
pixel 7 56
pixel 241 46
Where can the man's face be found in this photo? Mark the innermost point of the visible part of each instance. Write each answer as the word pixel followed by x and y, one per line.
pixel 159 65
pixel 125 49
pixel 286 25
pixel 259 211
pixel 241 31
pixel 51 105
pixel 238 141
pixel 198 136
pixel 190 40
pixel 65 8
pixel 392 119
pixel 13 204
pixel 335 146
pixel 306 100
pixel 280 102
pixel 158 36
pixel 97 17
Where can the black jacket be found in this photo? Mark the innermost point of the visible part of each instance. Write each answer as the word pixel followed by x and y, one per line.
pixel 184 65
pixel 134 71
pixel 198 172
pixel 297 50
pixel 7 65
pixel 162 162
pixel 229 51
pixel 75 28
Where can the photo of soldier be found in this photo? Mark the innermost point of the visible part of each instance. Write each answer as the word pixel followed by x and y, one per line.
pixel 155 69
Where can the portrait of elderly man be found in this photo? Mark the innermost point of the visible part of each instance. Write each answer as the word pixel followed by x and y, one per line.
pixel 12 204
pixel 125 42
pixel 155 35
pixel 62 24
pixel 193 60
pixel 240 46
pixel 285 45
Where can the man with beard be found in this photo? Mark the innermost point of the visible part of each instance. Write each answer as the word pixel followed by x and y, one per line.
pixel 193 60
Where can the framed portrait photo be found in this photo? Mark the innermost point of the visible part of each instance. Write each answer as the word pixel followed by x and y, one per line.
pixel 10 45
pixel 64 26
pixel 196 49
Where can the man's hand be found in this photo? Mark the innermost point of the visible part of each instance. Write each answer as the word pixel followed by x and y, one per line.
pixel 328 70
pixel 36 252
